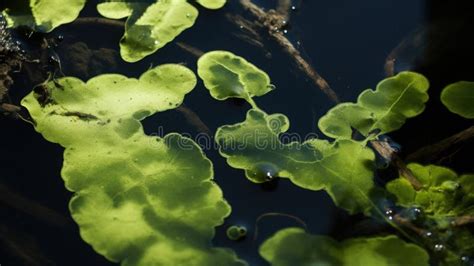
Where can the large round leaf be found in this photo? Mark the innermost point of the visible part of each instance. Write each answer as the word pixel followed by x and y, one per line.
pixel 139 200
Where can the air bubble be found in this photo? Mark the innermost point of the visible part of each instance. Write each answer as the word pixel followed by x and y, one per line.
pixel 439 247
pixel 263 172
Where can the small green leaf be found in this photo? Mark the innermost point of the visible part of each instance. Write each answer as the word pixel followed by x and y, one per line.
pixel 344 169
pixel 236 232
pixel 226 75
pixel 384 110
pixel 139 200
pixel 292 246
pixel 459 98
pixel 150 24
pixel 212 4
pixel 42 15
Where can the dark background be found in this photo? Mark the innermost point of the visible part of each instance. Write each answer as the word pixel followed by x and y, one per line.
pixel 347 42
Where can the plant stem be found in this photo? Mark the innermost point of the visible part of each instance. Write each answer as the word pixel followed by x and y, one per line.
pixel 389 154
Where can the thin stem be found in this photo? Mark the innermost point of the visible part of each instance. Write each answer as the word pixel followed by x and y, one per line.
pixel 277 214
pixel 389 154
pixel 437 151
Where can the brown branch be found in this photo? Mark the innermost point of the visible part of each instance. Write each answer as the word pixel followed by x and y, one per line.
pixel 387 152
pixel 412 39
pixel 406 223
pixel 190 49
pixel 272 22
pixel 91 21
pixel 434 152
pixel 194 119
pixel 20 203
pixel 22 246
pixel 462 220
pixel 283 8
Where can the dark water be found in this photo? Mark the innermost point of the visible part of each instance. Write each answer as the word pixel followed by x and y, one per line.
pixel 347 42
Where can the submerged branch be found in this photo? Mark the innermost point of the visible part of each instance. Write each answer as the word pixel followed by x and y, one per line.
pixel 194 119
pixel 91 21
pixel 277 214
pixel 442 149
pixel 272 21
pixel 20 203
pixel 190 49
pixel 463 220
pixel 387 152
pixel 283 8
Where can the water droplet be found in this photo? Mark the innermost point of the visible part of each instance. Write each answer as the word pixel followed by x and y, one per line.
pixel 285 31
pixel 428 234
pixel 293 8
pixel 263 172
pixel 438 247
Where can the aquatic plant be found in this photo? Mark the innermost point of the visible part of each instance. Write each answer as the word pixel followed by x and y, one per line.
pixel 139 200
pixel 145 200
pixel 150 24
pixel 344 168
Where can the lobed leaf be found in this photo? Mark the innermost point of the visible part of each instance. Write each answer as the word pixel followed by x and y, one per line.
pixel 344 169
pixel 139 200
pixel 42 15
pixel 150 24
pixel 383 110
pixel 459 98
pixel 292 246
pixel 444 193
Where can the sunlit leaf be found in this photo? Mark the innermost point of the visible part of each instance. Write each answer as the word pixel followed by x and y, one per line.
pixel 292 246
pixel 212 4
pixel 444 198
pixel 226 75
pixel 444 193
pixel 150 24
pixel 344 169
pixel 383 110
pixel 139 200
pixel 42 15
pixel 459 98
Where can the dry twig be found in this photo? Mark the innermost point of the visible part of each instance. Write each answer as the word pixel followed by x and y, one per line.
pixel 437 151
pixel 272 21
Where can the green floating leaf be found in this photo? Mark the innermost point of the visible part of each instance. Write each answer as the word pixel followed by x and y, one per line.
pixel 139 200
pixel 344 169
pixel 212 4
pixel 226 75
pixel 459 98
pixel 150 24
pixel 384 110
pixel 236 232
pixel 444 197
pixel 292 246
pixel 42 15
pixel 444 193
